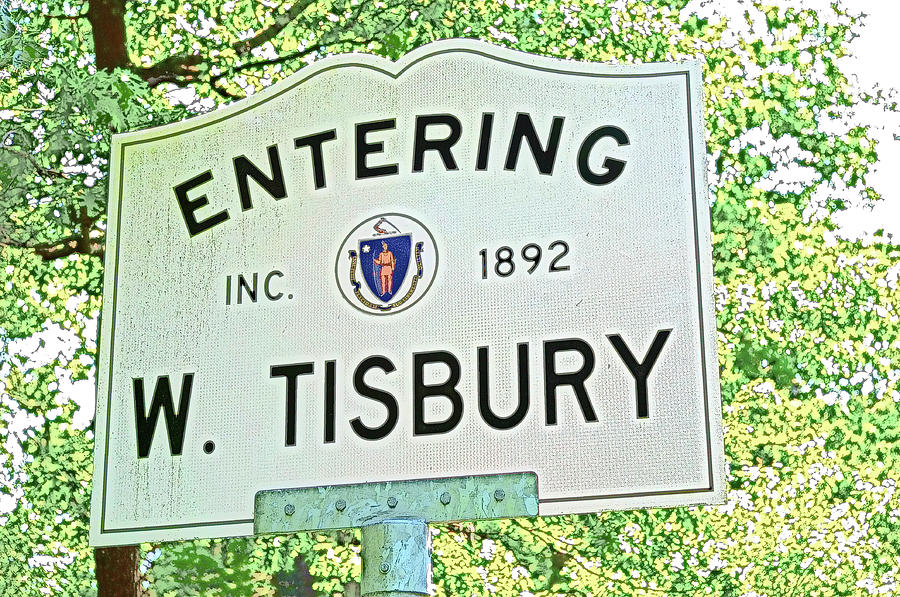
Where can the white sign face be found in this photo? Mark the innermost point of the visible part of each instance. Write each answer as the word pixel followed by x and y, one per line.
pixel 472 261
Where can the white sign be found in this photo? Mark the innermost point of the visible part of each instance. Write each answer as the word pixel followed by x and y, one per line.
pixel 471 261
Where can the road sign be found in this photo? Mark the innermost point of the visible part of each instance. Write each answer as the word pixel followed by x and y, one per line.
pixel 472 261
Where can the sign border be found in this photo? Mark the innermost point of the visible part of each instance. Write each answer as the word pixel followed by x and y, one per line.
pixel 394 70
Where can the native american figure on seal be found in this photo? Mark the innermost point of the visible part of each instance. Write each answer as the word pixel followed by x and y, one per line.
pixel 384 265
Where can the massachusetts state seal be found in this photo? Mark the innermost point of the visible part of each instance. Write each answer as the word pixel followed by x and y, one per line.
pixel 386 264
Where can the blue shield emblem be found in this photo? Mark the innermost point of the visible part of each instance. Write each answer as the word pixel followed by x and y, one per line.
pixel 384 267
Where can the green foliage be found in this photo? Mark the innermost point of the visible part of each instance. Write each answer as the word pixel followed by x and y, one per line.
pixel 52 467
pixel 807 323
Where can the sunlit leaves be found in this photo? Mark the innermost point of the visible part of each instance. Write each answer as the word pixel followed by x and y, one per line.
pixel 807 323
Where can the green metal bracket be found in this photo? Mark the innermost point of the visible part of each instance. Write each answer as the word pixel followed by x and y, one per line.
pixel 394 516
pixel 432 500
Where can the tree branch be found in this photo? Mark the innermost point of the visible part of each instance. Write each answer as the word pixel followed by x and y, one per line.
pixel 224 92
pixel 173 68
pixel 245 46
pixel 40 169
pixel 79 242
pixel 279 60
pixel 186 66
pixel 66 17
pixel 312 48
pixel 49 253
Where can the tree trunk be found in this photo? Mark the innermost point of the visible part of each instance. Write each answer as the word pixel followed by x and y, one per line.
pixel 107 18
pixel 295 583
pixel 116 569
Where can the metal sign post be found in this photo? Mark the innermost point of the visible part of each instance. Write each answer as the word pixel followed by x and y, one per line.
pixel 394 517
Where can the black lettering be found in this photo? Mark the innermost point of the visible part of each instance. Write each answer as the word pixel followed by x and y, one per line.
pixel 442 146
pixel 613 167
pixel 228 289
pixel 446 388
pixel 576 379
pixel 329 402
pixel 162 399
pixel 244 169
pixel 640 371
pixel 367 391
pixel 364 148
pixel 524 129
pixel 189 206
pixel 314 142
pixel 244 286
pixel 291 373
pixel 484 400
pixel 269 295
pixel 484 141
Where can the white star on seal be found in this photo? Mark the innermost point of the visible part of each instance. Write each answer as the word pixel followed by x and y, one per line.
pixel 366 248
